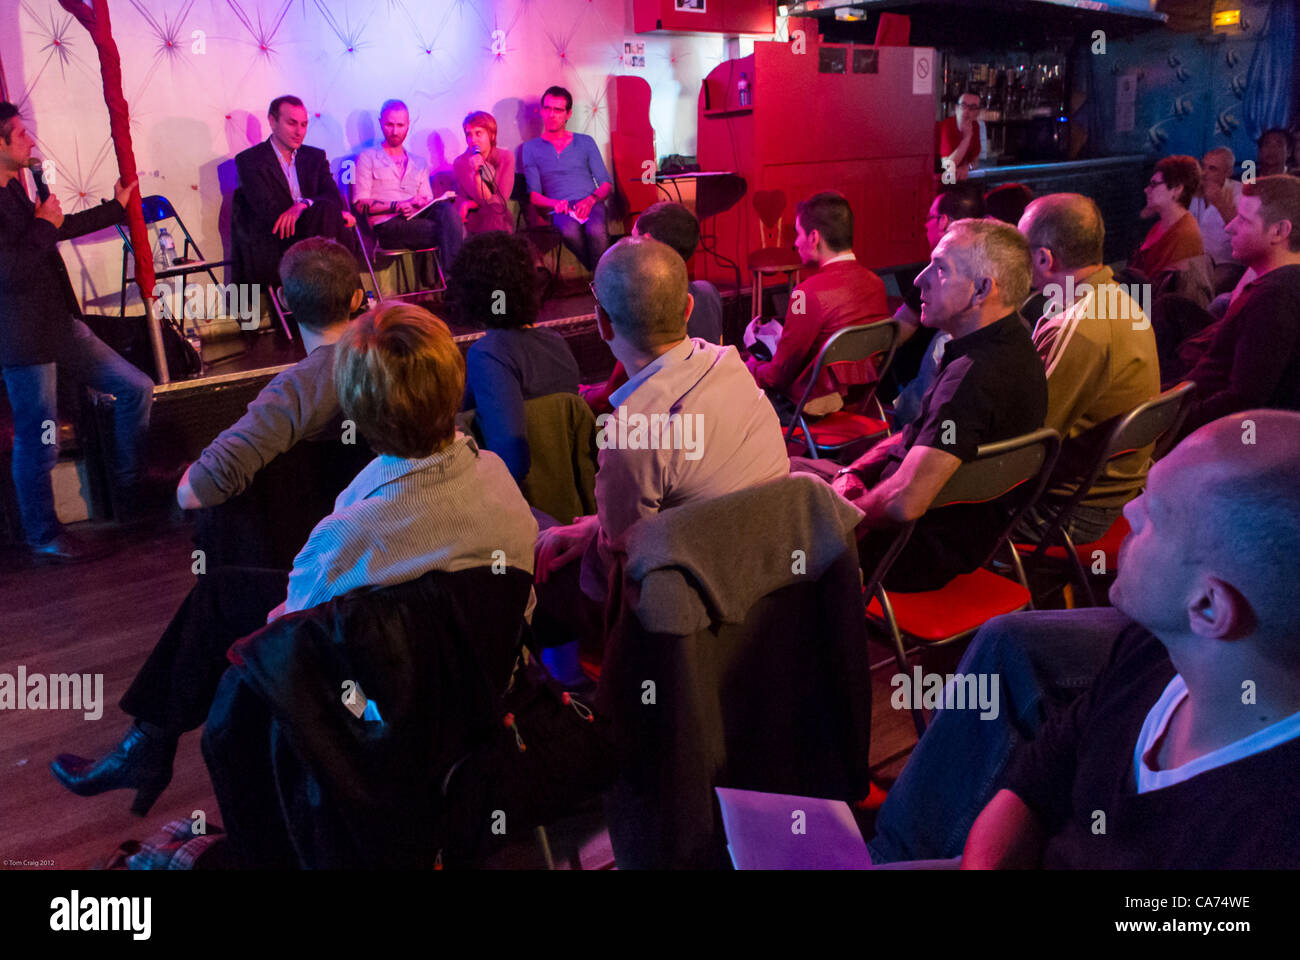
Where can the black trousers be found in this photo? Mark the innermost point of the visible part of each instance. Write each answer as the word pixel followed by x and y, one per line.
pixel 175 687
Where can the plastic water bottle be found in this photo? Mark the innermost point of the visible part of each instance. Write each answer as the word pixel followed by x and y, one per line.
pixel 166 249
pixel 742 89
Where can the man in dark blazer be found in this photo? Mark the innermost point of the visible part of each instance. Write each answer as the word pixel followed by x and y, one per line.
pixel 42 334
pixel 286 194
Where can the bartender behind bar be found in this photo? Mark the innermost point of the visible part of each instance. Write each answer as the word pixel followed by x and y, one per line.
pixel 959 138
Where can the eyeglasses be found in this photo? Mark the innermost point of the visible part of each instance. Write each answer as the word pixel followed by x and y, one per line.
pixel 1153 182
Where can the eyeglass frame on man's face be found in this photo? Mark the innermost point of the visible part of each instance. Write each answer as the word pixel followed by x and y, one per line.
pixel 1153 182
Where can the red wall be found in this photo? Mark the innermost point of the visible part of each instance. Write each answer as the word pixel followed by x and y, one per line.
pixel 864 134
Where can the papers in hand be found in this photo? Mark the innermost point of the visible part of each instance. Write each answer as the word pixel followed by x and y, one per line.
pixel 775 831
pixel 578 218
pixel 449 195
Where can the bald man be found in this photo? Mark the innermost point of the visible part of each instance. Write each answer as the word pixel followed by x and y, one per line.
pixel 1187 746
pixel 724 435
pixel 1099 353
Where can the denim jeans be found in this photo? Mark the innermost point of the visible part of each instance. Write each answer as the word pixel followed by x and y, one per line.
pixel 438 226
pixel 33 397
pixel 1043 660
pixel 587 241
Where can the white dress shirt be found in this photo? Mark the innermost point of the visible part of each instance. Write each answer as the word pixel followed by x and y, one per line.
pixel 380 177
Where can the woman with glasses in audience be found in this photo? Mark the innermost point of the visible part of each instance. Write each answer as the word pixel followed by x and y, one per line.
pixel 485 176
pixel 1176 236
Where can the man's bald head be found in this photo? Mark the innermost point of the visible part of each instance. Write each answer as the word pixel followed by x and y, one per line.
pixel 642 285
pixel 1231 501
pixel 1069 225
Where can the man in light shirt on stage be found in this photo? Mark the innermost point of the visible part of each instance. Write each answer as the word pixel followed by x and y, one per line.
pixel 392 184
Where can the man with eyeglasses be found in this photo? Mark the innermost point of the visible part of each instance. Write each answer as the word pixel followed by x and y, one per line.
pixel 567 176
pixel 959 138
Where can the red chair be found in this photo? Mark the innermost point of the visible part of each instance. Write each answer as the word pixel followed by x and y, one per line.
pixel 775 253
pixel 846 430
pixel 1145 425
pixel 934 618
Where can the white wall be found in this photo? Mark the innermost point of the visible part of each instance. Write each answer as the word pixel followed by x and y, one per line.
pixel 197 99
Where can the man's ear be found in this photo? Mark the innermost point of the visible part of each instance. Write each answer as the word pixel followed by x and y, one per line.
pixel 358 295
pixel 690 306
pixel 603 325
pixel 1219 611
pixel 983 290
pixel 1282 230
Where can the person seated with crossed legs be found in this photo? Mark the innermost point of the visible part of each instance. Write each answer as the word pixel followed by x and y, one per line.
pixel 431 500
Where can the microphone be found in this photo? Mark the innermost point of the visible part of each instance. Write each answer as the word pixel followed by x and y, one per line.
pixel 37 167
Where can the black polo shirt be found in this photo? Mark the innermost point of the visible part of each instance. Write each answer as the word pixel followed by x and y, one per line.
pixel 991 386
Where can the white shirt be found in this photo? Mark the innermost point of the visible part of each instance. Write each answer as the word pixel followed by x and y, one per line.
pixel 1158 721
pixel 848 255
pixel 1213 235
pixel 731 440
pixel 380 177
pixel 290 168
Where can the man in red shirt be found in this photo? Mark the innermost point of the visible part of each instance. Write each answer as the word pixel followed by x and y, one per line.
pixel 959 138
pixel 840 294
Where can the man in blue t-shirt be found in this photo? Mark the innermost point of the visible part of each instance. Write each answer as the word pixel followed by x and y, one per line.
pixel 567 176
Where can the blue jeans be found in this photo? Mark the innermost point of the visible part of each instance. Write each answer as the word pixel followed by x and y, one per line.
pixel 1043 660
pixel 33 397
pixel 589 240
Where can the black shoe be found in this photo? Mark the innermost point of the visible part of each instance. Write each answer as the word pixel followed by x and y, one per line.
pixel 65 548
pixel 142 760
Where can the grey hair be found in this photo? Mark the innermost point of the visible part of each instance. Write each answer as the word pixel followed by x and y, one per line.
pixel 991 248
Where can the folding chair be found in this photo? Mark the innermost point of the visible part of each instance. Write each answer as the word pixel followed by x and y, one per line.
pixel 846 429
pixel 372 250
pixel 1144 425
pixel 934 618
pixel 539 231
pixel 157 208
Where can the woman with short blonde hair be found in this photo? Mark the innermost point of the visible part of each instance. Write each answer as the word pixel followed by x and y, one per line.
pixel 485 177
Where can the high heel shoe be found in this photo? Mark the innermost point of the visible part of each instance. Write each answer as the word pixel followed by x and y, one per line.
pixel 142 760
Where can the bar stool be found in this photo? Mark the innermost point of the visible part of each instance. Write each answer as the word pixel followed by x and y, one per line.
pixel 772 256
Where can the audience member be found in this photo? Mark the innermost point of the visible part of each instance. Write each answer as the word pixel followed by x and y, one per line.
pixel 1008 201
pixel 1175 237
pixel 675 225
pixel 1099 353
pixel 991 386
pixel 494 286
pixel 916 362
pixel 289 192
pixel 1271 152
pixel 485 177
pixel 959 139
pixel 723 435
pixel 393 187
pixel 42 336
pixel 431 500
pixel 1253 359
pixel 320 283
pixel 1215 204
pixel 842 293
pixel 567 176
pixel 1206 682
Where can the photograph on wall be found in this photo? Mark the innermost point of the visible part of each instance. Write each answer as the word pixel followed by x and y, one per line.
pixel 634 53
pixel 689 6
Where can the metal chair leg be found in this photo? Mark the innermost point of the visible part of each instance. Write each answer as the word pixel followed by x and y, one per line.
pixel 900 656
pixel 544 845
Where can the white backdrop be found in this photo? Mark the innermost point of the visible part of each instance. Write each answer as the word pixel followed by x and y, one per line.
pixel 198 75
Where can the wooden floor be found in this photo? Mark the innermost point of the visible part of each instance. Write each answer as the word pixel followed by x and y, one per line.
pixel 103 618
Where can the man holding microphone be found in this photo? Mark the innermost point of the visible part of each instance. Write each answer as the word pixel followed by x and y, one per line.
pixel 42 334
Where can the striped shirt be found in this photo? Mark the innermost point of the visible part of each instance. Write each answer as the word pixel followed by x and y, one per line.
pixel 400 518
